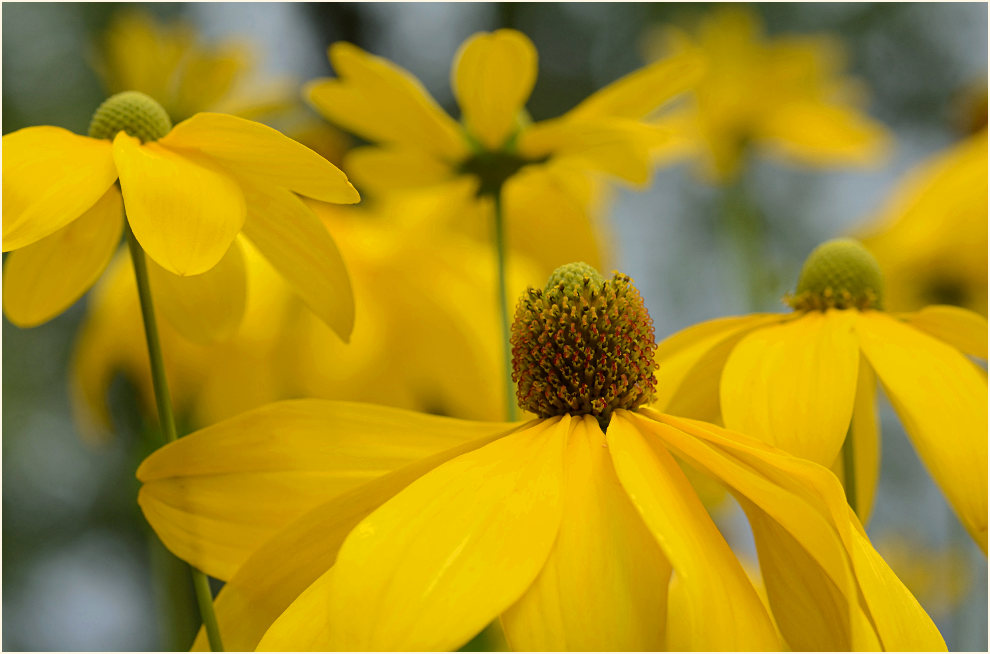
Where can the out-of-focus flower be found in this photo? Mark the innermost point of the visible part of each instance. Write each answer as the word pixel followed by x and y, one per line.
pixel 188 191
pixel 170 62
pixel 930 237
pixel 345 526
pixel 803 381
pixel 939 577
pixel 547 174
pixel 785 96
pixel 425 331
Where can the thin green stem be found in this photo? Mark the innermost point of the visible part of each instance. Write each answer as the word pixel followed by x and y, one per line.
pixel 166 417
pixel 510 394
pixel 849 472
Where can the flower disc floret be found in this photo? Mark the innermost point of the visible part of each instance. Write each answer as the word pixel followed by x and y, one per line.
pixel 583 346
pixel 839 274
pixel 132 112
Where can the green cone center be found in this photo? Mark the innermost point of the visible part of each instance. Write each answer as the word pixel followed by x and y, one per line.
pixel 584 345
pixel 839 274
pixel 132 112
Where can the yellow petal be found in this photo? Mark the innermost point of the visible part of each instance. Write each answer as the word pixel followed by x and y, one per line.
pixel 545 220
pixel 724 611
pixel 823 134
pixel 277 572
pixel 42 280
pixel 50 177
pixel 383 103
pixel 604 586
pixel 960 328
pixel 300 248
pixel 207 307
pixel 184 214
pixel 941 399
pixel 492 77
pixel 215 495
pixel 249 148
pixel 436 563
pixel 793 385
pixel 865 434
pixel 387 168
pixel 615 146
pixel 806 536
pixel 691 362
pixel 643 91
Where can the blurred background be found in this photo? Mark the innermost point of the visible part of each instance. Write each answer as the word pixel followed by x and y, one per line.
pixel 78 558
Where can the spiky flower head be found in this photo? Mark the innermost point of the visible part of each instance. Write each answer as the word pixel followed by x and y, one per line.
pixel 132 112
pixel 584 345
pixel 839 274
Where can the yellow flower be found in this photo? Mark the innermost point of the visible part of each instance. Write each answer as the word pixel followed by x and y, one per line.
pixel 425 331
pixel 931 235
pixel 548 172
pixel 803 381
pixel 188 191
pixel 168 62
pixel 785 96
pixel 342 526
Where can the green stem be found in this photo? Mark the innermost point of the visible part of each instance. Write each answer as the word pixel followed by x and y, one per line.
pixel 744 224
pixel 165 416
pixel 849 472
pixel 510 394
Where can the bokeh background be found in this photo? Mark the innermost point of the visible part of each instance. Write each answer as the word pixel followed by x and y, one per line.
pixel 78 558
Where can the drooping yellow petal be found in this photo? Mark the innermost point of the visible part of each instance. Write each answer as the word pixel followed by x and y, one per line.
pixel 249 148
pixel 691 362
pixel 793 385
pixel 806 536
pixel 383 103
pixel 50 177
pixel 436 563
pixel 642 91
pixel 42 280
pixel 217 494
pixel 604 586
pixel 824 134
pixel 184 214
pixel 801 557
pixel 960 328
pixel 941 399
pixel 725 611
pixel 207 307
pixel 282 568
pixel 865 434
pixel 387 168
pixel 300 248
pixel 492 77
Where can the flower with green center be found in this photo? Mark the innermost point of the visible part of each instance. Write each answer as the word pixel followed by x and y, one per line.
pixel 806 382
pixel 342 526
pixel 548 174
pixel 786 96
pixel 190 193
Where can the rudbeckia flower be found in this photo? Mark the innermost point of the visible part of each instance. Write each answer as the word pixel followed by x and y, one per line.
pixel 547 174
pixel 189 192
pixel 425 331
pixel 342 526
pixel 784 96
pixel 806 382
pixel 930 237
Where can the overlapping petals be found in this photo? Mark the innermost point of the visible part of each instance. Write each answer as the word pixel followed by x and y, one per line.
pixel 569 534
pixel 807 381
pixel 186 196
